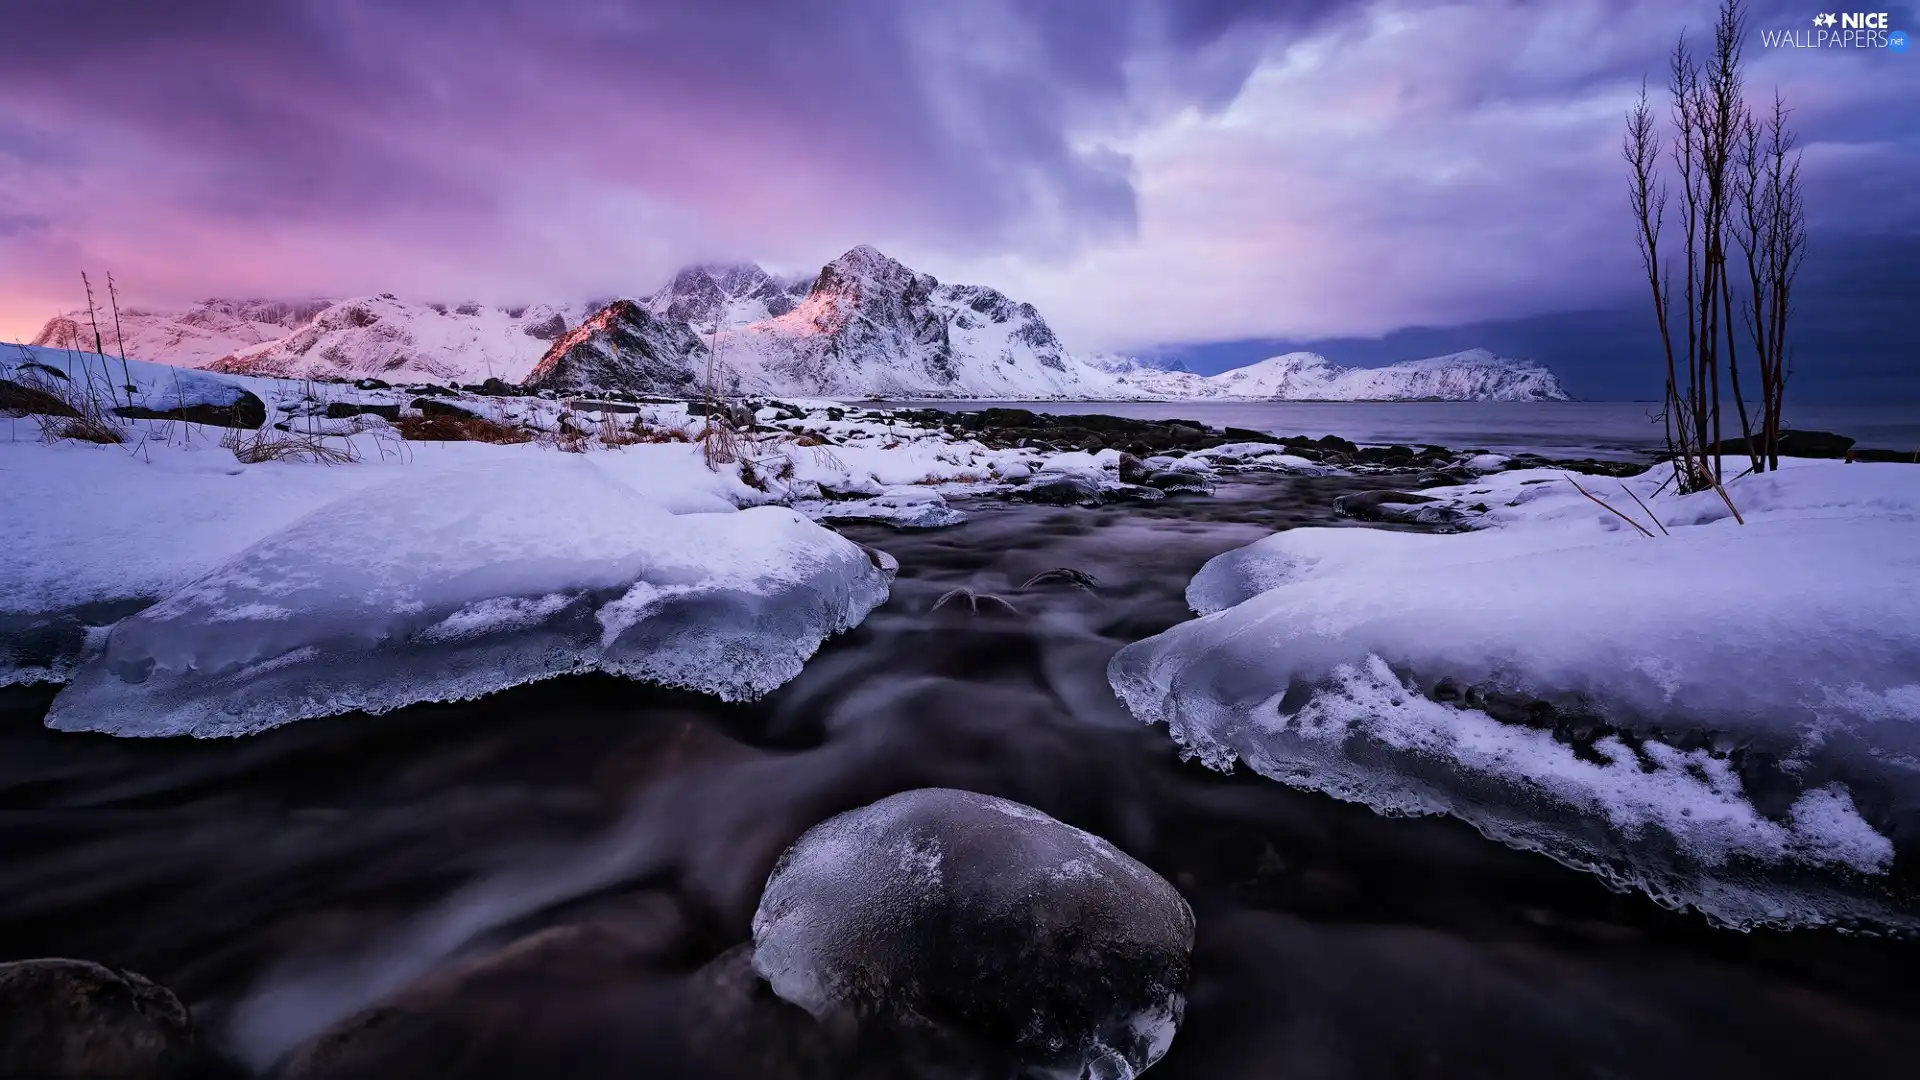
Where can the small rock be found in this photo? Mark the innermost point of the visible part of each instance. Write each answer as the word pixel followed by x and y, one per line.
pixel 75 1018
pixel 1062 575
pixel 1172 480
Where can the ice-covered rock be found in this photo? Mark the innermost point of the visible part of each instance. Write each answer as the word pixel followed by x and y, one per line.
pixel 1726 717
pixel 451 584
pixel 977 916
pixel 1402 507
pixel 901 507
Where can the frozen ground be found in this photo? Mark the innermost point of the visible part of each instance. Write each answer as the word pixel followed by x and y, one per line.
pixel 1725 715
pixel 214 580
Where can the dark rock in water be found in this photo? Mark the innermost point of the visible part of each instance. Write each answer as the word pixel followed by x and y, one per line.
pixel 74 1018
pixel 533 1001
pixel 1803 444
pixel 1062 575
pixel 1133 470
pixel 1585 466
pixel 957 914
pixel 371 384
pixel 1064 489
pixel 1172 480
pixel 1401 507
pixel 970 602
pixel 736 1026
pixel 1911 457
pixel 244 411
pixel 1447 477
pixel 1132 493
pixel 1240 434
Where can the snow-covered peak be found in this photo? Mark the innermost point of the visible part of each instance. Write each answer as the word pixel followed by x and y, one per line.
pixel 1119 364
pixel 391 338
pixel 621 347
pixel 1471 375
pixel 732 295
pixel 1289 375
pixel 864 277
pixel 191 336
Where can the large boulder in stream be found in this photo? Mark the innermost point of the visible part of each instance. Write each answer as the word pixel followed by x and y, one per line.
pixel 981 923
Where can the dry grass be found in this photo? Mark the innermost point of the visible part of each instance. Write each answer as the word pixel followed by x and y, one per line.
pixel 719 443
pixel 251 447
pixel 566 440
pixel 81 429
pixel 65 408
pixel 460 429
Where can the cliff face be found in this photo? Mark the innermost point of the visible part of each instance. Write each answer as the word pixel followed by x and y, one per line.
pixel 622 347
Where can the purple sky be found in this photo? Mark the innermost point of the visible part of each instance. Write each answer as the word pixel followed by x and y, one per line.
pixel 1145 171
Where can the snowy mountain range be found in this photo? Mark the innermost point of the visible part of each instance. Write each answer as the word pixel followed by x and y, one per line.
pixel 865 326
pixel 1473 375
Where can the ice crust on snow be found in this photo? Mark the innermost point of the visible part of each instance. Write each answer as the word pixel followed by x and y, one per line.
pixel 1791 640
pixel 459 583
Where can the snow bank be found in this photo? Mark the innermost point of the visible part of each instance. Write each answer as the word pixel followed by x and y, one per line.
pixel 182 591
pixel 1727 717
pixel 456 583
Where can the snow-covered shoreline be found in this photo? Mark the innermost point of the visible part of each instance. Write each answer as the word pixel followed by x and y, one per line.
pixel 185 578
pixel 1724 715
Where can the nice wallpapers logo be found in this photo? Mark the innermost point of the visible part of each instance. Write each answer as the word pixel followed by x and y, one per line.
pixel 1841 30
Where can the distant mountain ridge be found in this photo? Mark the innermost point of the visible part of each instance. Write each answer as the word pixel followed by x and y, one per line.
pixel 866 325
pixel 1471 375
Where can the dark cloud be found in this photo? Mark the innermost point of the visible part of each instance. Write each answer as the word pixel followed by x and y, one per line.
pixel 1144 170
pixel 931 118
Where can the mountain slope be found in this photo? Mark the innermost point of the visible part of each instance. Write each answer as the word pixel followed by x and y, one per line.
pixel 733 295
pixel 623 347
pixel 871 326
pixel 865 326
pixel 189 337
pixel 388 338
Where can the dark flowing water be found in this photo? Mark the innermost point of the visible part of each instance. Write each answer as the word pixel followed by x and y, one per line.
pixel 282 882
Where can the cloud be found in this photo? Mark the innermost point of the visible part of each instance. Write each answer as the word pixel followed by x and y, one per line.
pixel 328 145
pixel 1439 166
pixel 1145 171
